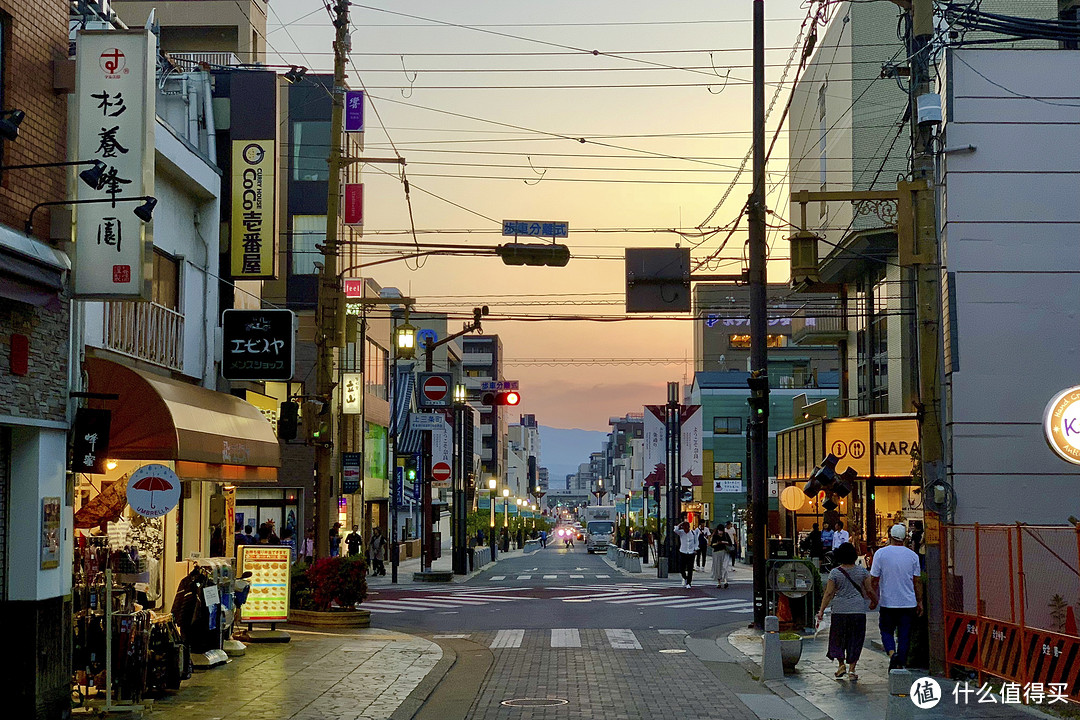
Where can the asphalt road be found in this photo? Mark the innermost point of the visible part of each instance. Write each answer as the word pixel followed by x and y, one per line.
pixel 560 633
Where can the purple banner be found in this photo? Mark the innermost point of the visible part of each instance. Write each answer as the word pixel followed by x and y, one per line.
pixel 354 111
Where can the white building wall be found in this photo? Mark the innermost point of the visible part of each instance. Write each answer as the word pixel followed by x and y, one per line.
pixel 1009 218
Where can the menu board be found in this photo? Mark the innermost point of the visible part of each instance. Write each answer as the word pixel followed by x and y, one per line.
pixel 268 600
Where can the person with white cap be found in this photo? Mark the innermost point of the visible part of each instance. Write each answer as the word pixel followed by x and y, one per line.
pixel 897 581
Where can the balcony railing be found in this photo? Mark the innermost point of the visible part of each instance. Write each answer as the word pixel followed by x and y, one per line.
pixel 823 327
pixel 146 331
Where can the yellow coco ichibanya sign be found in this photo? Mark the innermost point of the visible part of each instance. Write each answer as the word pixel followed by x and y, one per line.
pixel 1061 424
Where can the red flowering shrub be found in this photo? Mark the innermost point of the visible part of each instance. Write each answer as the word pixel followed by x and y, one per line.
pixel 338 580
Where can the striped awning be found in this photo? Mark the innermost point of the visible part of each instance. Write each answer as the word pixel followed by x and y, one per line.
pixel 408 441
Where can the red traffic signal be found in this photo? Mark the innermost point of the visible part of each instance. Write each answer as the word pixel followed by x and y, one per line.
pixel 506 397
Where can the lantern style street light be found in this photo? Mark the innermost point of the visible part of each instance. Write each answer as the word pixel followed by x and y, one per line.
pixel 405 340
pixel 492 482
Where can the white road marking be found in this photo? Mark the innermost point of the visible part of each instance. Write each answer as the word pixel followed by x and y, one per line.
pixel 508 639
pixel 459 636
pixel 550 577
pixel 636 599
pixel 565 637
pixel 663 632
pixel 623 639
pixel 524 577
pixel 497 577
pixel 577 577
pixel 603 576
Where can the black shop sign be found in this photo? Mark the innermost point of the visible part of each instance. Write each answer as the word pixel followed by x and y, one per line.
pixel 258 345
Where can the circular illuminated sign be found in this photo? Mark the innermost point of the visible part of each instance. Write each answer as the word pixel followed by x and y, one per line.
pixel 792 498
pixel 153 490
pixel 1061 424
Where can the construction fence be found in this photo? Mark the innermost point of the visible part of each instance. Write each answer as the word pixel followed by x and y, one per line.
pixel 1012 597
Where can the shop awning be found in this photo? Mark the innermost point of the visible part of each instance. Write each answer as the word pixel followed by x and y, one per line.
pixel 210 435
pixel 30 271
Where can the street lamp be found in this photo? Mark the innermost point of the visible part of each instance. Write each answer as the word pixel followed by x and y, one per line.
pixel 460 543
pixel 405 340
pixel 506 506
pixel 492 482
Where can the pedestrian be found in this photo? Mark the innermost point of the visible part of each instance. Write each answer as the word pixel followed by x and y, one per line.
pixel 721 544
pixel 238 537
pixel 376 549
pixel 897 580
pixel 826 539
pixel 851 593
pixel 264 534
pixel 688 542
pixel 273 538
pixel 840 535
pixel 811 544
pixel 917 542
pixel 249 535
pixel 335 540
pixel 289 541
pixel 703 544
pixel 543 538
pixel 731 530
pixel 353 541
pixel 307 549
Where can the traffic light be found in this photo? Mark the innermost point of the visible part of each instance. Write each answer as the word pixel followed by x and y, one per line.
pixel 759 395
pixel 534 254
pixel 506 397
pixel 824 477
pixel 288 416
pixel 410 468
pixel 316 420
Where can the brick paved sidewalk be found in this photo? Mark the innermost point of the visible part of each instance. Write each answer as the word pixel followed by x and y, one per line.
pixel 352 675
pixel 843 699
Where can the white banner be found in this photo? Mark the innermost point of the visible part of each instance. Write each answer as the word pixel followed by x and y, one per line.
pixel 114 96
pixel 352 393
pixel 654 463
pixel 442 454
pixel 690 446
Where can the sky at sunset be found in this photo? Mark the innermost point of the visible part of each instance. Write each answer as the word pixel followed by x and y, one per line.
pixel 493 146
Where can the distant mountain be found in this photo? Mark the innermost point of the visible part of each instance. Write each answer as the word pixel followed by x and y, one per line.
pixel 563 449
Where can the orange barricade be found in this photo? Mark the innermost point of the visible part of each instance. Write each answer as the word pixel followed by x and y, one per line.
pixel 1011 595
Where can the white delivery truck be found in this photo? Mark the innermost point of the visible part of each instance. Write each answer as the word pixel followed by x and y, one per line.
pixel 599 527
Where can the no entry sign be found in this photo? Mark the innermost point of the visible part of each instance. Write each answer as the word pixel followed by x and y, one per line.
pixel 434 389
pixel 440 473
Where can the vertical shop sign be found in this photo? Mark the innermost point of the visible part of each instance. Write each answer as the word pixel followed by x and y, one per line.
pixel 352 393
pixel 115 91
pixel 253 208
pixel 351 463
pixel 690 446
pixel 354 203
pixel 258 344
pixel 354 111
pixel 90 440
pixel 50 533
pixel 268 598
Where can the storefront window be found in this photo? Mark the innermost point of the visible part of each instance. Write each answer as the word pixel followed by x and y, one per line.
pixel 310 150
pixel 375 451
pixel 375 375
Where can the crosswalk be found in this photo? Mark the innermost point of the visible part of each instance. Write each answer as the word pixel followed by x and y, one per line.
pixel 447 601
pixel 549 576
pixel 577 638
pixel 652 597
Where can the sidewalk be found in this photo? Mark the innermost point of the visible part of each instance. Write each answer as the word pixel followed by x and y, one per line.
pixel 317 675
pixel 814 682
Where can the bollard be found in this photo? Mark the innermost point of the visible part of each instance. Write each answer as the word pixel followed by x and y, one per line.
pixel 633 563
pixel 899 704
pixel 661 567
pixel 772 664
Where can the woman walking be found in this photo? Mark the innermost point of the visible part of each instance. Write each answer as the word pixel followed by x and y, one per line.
pixel 721 543
pixel 851 594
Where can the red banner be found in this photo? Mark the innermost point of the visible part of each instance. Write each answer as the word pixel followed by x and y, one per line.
pixel 354 203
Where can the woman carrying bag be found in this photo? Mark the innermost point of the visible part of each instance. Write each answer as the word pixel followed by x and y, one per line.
pixel 721 544
pixel 851 594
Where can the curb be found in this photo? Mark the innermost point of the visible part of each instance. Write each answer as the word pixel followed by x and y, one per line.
pixel 420 694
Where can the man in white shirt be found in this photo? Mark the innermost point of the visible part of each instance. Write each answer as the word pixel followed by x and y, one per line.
pixel 688 546
pixel 840 535
pixel 897 580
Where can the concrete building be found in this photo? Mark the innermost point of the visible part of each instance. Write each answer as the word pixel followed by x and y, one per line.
pixel 523 457
pixel 209 28
pixel 482 361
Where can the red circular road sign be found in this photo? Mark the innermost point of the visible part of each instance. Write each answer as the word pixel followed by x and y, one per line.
pixel 440 471
pixel 435 388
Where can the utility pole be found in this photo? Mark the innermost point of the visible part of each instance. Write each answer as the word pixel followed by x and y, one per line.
pixel 329 312
pixel 927 255
pixel 759 426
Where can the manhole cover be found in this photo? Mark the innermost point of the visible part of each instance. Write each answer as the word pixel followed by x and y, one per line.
pixel 534 702
pixel 672 651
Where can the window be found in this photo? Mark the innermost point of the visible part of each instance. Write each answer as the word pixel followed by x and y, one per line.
pixel 166 281
pixel 743 341
pixel 308 231
pixel 375 375
pixel 727 425
pixel 310 150
pixel 872 343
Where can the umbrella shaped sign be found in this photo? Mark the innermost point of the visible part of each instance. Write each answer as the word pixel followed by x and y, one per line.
pixel 153 490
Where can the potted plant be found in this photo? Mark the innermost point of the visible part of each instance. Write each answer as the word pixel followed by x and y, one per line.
pixel 790 649
pixel 327 592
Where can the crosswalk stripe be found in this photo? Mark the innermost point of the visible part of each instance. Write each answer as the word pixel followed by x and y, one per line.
pixel 674 603
pixel 577 577
pixel 622 639
pixel 731 608
pixel 565 637
pixel 550 577
pixel 497 577
pixel 508 639
pixel 637 598
pixel 381 610
pixel 672 631
pixel 603 576
pixel 524 577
